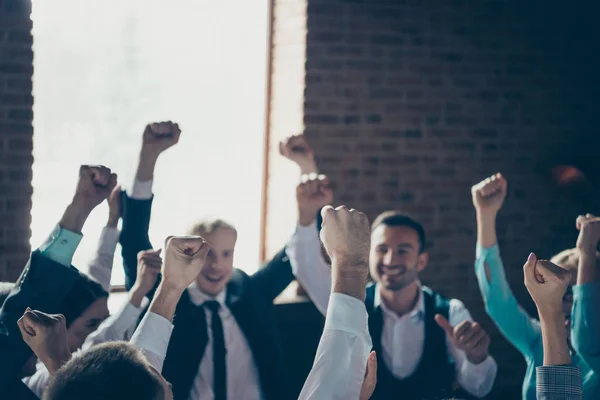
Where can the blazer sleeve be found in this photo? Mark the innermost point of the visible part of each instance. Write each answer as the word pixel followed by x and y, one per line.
pixel 274 276
pixel 43 285
pixel 134 234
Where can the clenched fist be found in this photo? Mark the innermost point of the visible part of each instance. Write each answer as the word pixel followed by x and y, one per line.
pixel 312 194
pixel 589 233
pixel 346 236
pixel 467 336
pixel 96 183
pixel 546 283
pixel 46 334
pixel 489 194
pixel 159 136
pixel 148 269
pixel 184 258
pixel 296 149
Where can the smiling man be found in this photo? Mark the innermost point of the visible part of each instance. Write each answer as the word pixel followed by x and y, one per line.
pixel 224 343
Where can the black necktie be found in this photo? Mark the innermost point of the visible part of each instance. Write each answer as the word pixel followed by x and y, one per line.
pixel 219 351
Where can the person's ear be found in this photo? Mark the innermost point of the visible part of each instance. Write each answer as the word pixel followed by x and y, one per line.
pixel 422 261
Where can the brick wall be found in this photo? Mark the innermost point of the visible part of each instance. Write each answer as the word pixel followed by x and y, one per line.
pixel 16 135
pixel 409 103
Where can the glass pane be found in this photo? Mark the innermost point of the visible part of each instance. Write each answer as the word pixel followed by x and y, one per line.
pixel 105 69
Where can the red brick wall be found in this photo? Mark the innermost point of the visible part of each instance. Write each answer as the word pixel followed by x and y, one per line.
pixel 409 103
pixel 16 135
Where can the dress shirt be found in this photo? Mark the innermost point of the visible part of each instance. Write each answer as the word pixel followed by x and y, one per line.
pixel 402 337
pixel 140 190
pixel 559 382
pixel 152 338
pixel 100 268
pixel 243 382
pixel 61 245
pixel 525 332
pixel 340 363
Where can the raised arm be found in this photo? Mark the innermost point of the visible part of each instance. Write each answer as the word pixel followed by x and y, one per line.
pixel 304 248
pixel 100 268
pixel 585 330
pixel 547 284
pixel 339 368
pixel 184 258
pixel 137 201
pixel 500 303
pixel 49 277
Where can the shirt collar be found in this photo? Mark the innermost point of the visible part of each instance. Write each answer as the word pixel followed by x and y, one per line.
pixel 198 297
pixel 415 314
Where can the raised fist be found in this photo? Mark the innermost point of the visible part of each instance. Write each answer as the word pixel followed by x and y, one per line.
pixel 589 232
pixel 184 258
pixel 159 136
pixel 467 336
pixel 95 184
pixel 296 149
pixel 46 334
pixel 489 194
pixel 346 236
pixel 546 282
pixel 148 268
pixel 312 194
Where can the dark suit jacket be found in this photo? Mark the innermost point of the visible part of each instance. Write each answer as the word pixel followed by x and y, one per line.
pixel 250 298
pixel 43 285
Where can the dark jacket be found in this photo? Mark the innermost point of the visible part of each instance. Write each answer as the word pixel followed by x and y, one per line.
pixel 250 299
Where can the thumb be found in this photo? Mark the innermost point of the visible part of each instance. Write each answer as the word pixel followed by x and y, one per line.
pixel 444 324
pixel 370 381
pixel 529 268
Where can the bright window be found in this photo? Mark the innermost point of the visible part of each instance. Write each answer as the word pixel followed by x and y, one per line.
pixel 104 69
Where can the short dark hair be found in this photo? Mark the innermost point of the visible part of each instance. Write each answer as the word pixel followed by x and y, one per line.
pixel 5 289
pixel 395 219
pixel 113 371
pixel 82 295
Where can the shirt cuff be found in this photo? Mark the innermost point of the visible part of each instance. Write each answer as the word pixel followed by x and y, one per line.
pixel 556 380
pixel 307 233
pixel 153 335
pixel 483 252
pixel 588 291
pixel 141 190
pixel 60 246
pixel 348 314
pixel 483 372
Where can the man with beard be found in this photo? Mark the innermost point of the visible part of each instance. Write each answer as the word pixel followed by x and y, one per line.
pixel 426 344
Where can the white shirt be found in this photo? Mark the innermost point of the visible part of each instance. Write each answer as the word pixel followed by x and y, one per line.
pixel 403 337
pixel 340 363
pixel 100 268
pixel 243 382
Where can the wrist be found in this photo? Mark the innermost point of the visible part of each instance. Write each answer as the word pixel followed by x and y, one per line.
pixel 486 216
pixel 551 313
pixel 136 295
pixel 168 288
pixel 306 218
pixel 477 359
pixel 75 215
pixel 55 363
pixel 308 167
pixel 113 222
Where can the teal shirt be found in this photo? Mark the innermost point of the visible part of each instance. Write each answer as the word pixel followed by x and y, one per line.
pixel 525 333
pixel 60 246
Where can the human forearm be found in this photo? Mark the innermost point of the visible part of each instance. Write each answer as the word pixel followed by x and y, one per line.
pixel 75 216
pixel 588 272
pixel 146 164
pixel 554 337
pixel 165 300
pixel 486 229
pixel 349 282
